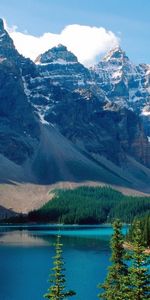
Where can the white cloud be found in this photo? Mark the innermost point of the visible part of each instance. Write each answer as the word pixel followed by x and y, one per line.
pixel 86 42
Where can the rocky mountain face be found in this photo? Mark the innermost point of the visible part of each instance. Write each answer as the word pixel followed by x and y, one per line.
pixel 63 68
pixel 125 83
pixel 18 127
pixel 60 121
pixel 96 125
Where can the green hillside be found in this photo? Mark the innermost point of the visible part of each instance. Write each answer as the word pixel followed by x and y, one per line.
pixel 90 205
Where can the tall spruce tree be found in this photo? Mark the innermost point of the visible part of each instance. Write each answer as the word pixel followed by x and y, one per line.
pixel 115 286
pixel 138 272
pixel 57 289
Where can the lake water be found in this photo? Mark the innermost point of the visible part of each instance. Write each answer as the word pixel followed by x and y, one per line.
pixel 26 259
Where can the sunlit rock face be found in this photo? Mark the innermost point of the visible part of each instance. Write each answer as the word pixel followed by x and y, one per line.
pixel 125 83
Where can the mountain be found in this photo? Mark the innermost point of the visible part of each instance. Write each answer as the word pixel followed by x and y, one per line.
pixel 125 83
pixel 96 125
pixel 62 68
pixel 60 122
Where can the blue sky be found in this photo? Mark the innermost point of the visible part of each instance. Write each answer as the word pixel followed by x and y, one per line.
pixel 130 20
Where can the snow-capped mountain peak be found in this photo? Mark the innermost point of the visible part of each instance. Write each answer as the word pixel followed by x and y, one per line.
pixel 125 83
pixel 62 68
pixel 116 54
pixel 57 55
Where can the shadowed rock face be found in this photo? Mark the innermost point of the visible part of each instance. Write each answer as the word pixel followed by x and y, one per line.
pixel 19 130
pixel 101 129
pixel 57 123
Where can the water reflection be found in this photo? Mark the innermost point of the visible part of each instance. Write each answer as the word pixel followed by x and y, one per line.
pixel 82 237
pixel 22 238
pixel 75 236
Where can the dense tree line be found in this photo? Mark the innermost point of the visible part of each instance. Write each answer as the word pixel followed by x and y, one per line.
pixel 144 224
pixel 90 205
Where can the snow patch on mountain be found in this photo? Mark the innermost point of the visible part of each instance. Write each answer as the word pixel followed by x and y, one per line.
pixel 146 113
pixel 26 89
pixel 58 61
pixel 41 110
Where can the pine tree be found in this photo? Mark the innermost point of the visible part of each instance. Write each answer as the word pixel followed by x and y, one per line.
pixel 138 271
pixel 146 225
pixel 115 286
pixel 57 279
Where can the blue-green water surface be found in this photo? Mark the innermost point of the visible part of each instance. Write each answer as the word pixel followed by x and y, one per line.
pixel 26 259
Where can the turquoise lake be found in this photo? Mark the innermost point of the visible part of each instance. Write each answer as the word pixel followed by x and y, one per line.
pixel 26 259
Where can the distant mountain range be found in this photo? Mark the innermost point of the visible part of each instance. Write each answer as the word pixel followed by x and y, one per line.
pixel 60 121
